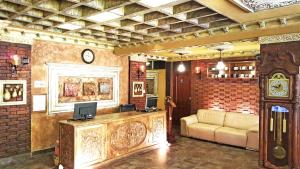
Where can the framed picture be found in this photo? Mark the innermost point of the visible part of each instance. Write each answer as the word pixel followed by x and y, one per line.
pixel 89 89
pixel 104 88
pixel 138 89
pixel 13 92
pixel 39 103
pixel 71 89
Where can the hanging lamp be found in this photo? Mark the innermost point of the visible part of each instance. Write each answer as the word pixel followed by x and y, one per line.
pixel 220 65
pixel 181 67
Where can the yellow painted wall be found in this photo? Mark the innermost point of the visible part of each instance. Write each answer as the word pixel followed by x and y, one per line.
pixel 44 127
pixel 161 87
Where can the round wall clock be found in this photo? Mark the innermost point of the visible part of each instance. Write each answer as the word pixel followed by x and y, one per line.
pixel 88 56
pixel 278 86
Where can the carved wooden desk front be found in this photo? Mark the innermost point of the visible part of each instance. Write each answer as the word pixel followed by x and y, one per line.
pixel 86 143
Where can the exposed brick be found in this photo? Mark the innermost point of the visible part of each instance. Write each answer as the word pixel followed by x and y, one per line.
pixel 15 120
pixel 239 95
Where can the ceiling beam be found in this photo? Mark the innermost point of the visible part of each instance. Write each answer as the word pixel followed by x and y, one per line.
pixel 237 14
pixel 215 38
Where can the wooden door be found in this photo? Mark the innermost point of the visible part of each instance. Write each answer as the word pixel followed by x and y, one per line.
pixel 182 92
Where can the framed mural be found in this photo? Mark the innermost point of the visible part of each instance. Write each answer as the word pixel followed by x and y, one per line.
pixel 13 92
pixel 138 89
pixel 70 84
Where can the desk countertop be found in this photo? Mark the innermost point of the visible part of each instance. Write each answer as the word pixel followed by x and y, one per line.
pixel 106 118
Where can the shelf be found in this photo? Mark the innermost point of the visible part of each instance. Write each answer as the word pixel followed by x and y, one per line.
pixel 243 70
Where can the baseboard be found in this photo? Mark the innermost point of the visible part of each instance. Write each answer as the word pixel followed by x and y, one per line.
pixel 42 151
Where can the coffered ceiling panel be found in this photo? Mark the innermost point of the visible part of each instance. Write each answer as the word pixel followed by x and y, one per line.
pixel 116 21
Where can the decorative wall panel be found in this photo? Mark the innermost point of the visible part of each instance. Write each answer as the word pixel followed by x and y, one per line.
pixel 91 144
pixel 128 135
pixel 69 83
pixel 158 129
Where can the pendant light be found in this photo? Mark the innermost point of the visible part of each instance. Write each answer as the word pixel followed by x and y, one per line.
pixel 220 65
pixel 181 67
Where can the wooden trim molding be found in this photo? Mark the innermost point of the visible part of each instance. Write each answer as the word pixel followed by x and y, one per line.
pixel 279 38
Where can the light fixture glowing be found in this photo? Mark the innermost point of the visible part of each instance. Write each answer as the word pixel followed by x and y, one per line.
pixel 220 65
pixel 138 18
pixel 181 67
pixel 69 26
pixel 153 3
pixel 104 16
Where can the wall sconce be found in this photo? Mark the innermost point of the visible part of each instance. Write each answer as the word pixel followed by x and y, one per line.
pixel 140 71
pixel 198 71
pixel 17 61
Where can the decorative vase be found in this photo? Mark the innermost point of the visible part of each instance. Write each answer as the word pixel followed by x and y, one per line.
pixel 20 92
pixel 7 95
pixel 15 93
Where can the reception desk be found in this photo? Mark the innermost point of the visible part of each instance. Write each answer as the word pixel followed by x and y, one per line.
pixel 84 144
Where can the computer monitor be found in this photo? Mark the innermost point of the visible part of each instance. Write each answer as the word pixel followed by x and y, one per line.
pixel 151 103
pixel 84 111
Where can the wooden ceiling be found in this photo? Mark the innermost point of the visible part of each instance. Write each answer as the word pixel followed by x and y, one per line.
pixel 152 26
pixel 137 22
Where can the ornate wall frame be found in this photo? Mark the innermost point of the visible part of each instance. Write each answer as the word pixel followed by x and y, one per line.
pixel 73 70
pixel 23 95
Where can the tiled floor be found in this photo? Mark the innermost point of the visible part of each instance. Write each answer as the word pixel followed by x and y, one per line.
pixel 186 153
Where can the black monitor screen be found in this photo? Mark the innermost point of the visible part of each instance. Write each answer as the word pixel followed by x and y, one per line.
pixel 83 111
pixel 151 102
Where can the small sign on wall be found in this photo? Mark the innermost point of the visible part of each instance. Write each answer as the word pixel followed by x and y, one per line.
pixel 39 103
pixel 138 89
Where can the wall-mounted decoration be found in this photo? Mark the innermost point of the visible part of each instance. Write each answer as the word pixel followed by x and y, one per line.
pixel 71 89
pixel 151 83
pixel 104 88
pixel 13 92
pixel 138 89
pixel 89 89
pixel 69 84
pixel 39 103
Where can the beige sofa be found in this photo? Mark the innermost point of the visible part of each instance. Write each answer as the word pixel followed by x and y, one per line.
pixel 231 128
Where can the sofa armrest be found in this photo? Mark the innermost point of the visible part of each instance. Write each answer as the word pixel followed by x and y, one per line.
pixel 254 129
pixel 253 138
pixel 185 121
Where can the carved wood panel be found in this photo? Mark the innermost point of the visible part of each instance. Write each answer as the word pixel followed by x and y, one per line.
pixel 91 144
pixel 158 129
pixel 66 134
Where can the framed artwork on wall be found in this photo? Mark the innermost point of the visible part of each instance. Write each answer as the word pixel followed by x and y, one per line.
pixel 13 92
pixel 138 89
pixel 71 83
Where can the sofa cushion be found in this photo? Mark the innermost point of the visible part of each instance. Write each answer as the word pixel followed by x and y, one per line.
pixel 240 120
pixel 231 136
pixel 213 117
pixel 202 131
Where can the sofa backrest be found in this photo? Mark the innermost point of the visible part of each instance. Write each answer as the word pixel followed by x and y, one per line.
pixel 211 117
pixel 240 120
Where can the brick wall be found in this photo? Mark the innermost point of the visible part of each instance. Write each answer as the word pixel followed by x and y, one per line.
pixel 238 95
pixel 138 101
pixel 15 120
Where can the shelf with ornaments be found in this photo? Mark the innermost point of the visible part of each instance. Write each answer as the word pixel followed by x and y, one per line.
pixel 233 70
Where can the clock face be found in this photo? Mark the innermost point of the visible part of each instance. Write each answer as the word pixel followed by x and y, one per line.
pixel 278 86
pixel 88 56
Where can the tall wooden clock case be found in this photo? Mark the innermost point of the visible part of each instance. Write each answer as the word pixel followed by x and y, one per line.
pixel 279 109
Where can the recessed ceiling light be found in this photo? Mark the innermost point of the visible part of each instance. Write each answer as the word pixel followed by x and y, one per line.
pixel 103 16
pixel 153 23
pixel 138 18
pixel 69 26
pixel 168 10
pixel 115 24
pixel 153 3
pixel 118 11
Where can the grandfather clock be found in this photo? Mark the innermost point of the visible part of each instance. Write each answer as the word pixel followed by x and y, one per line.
pixel 279 107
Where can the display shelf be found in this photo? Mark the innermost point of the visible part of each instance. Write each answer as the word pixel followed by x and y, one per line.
pixel 233 70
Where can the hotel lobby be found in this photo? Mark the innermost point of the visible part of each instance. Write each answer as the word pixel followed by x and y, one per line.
pixel 156 84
